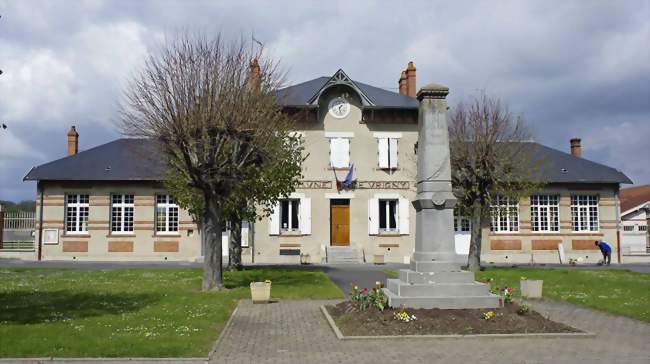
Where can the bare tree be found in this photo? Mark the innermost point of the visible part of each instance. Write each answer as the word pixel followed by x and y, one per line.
pixel 219 128
pixel 490 156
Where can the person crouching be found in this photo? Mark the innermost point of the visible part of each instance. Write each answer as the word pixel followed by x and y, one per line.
pixel 606 250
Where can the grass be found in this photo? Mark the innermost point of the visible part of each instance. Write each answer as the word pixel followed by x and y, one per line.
pixel 130 312
pixel 617 291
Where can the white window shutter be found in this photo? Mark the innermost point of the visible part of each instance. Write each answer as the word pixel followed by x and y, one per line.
pixel 404 208
pixel 393 152
pixel 383 152
pixel 305 216
pixel 373 216
pixel 340 152
pixel 345 152
pixel 274 220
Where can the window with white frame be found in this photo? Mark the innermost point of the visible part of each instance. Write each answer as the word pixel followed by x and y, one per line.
pixel 628 228
pixel 505 214
pixel 584 212
pixel 388 215
pixel 290 215
pixel 387 152
pixel 643 227
pixel 545 212
pixel 339 152
pixel 462 224
pixel 166 214
pixel 122 213
pixel 76 213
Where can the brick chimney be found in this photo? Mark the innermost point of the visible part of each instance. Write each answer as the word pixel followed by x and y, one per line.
pixel 73 141
pixel 254 74
pixel 402 83
pixel 576 148
pixel 411 89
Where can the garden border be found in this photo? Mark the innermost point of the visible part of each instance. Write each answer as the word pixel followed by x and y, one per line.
pixel 339 335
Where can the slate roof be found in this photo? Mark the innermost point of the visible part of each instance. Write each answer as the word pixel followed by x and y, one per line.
pixel 561 167
pixel 299 95
pixel 119 160
pixel 634 196
pixel 140 160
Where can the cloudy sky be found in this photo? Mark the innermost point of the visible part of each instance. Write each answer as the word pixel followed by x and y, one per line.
pixel 572 68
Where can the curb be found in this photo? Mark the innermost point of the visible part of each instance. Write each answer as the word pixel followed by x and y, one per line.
pixel 103 360
pixel 559 335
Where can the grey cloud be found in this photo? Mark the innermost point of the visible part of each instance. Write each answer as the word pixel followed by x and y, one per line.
pixel 573 68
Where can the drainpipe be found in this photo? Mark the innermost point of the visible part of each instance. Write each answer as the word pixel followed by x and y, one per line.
pixel 40 221
pixel 251 239
pixel 618 226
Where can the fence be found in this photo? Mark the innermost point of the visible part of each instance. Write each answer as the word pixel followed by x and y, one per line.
pixel 16 231
pixel 20 220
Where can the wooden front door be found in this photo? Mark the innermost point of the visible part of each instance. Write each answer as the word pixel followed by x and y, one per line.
pixel 340 222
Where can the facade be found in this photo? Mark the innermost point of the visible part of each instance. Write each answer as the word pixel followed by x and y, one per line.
pixel 107 203
pixel 635 218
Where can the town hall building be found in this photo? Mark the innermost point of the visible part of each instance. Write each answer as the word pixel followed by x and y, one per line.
pixel 353 204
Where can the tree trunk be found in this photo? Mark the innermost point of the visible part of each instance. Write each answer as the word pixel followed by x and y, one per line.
pixel 212 270
pixel 234 253
pixel 474 258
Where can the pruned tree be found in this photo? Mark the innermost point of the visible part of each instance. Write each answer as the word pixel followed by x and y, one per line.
pixel 215 116
pixel 490 156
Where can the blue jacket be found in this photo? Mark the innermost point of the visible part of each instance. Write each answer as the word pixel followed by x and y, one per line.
pixel 604 247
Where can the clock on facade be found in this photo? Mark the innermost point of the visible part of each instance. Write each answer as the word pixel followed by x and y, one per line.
pixel 339 107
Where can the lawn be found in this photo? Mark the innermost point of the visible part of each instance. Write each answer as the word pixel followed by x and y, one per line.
pixel 130 312
pixel 613 290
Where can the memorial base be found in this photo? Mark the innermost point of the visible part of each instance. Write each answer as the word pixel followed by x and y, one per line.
pixel 438 284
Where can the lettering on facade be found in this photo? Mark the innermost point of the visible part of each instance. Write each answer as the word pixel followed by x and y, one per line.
pixel 383 185
pixel 316 185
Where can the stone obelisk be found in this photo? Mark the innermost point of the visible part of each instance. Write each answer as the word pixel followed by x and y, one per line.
pixel 435 279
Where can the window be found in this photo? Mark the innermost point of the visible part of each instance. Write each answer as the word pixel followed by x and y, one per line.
pixel 505 214
pixel 387 152
pixel 339 152
pixel 388 217
pixel 628 228
pixel 544 212
pixel 289 215
pixel 122 213
pixel 584 212
pixel 643 227
pixel 462 224
pixel 76 213
pixel 166 214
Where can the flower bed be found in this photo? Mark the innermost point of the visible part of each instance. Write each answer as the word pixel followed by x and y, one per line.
pixel 510 319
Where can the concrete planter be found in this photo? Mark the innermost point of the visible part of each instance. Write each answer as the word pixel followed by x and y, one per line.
pixel 260 292
pixel 531 288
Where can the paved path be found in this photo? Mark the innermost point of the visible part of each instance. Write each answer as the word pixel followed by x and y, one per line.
pixel 296 332
pixel 363 275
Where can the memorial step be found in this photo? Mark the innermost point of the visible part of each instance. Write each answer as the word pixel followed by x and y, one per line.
pixel 411 276
pixel 435 266
pixel 449 302
pixel 403 289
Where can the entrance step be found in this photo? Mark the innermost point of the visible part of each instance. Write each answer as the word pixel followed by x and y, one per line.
pixel 343 254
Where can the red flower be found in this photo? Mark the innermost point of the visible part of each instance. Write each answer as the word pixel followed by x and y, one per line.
pixel 363 290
